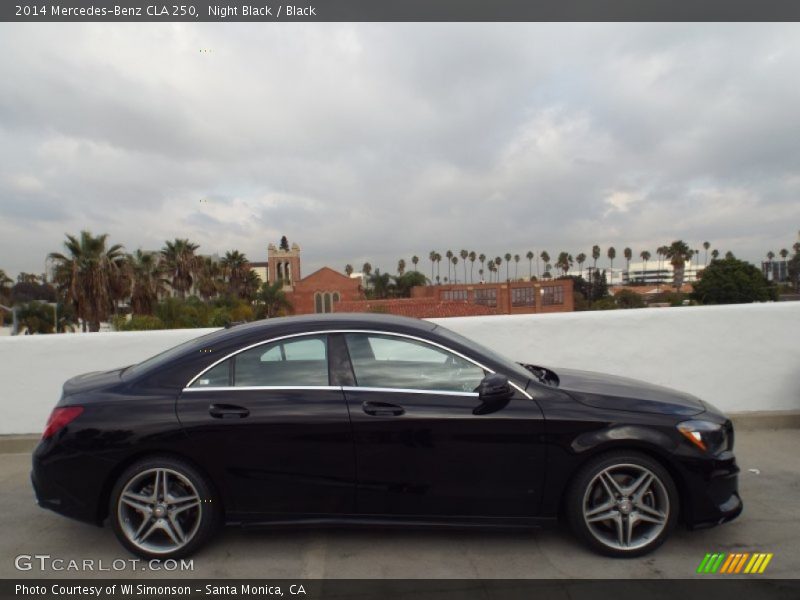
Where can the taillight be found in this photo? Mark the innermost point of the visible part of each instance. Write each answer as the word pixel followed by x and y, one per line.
pixel 60 418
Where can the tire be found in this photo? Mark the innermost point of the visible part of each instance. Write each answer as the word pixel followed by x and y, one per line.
pixel 607 511
pixel 162 526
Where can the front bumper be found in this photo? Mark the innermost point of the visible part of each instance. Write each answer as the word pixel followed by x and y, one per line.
pixel 711 491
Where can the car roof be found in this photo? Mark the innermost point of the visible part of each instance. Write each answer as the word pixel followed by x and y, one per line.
pixel 332 321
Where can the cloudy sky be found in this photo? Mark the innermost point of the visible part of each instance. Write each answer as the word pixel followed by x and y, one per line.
pixel 380 141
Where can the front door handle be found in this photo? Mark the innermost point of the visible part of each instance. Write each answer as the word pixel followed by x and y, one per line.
pixel 382 409
pixel 227 411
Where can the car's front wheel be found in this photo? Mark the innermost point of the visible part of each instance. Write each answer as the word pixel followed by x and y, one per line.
pixel 622 504
pixel 162 507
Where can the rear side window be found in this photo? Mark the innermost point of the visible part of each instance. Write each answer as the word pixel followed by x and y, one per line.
pixel 290 362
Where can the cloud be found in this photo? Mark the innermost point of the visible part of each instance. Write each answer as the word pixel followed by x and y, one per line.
pixel 380 141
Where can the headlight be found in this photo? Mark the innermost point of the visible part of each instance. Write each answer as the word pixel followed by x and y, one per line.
pixel 709 437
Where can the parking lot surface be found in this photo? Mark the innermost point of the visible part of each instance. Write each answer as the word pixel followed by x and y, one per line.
pixel 769 484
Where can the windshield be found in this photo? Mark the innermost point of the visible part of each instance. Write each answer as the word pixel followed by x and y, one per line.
pixel 509 364
pixel 167 355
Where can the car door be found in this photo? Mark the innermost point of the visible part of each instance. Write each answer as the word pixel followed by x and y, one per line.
pixel 421 449
pixel 273 431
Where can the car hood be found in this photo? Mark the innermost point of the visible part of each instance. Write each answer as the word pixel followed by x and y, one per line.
pixel 621 393
pixel 92 381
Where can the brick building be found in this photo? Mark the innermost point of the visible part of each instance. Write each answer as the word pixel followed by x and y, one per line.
pixel 510 298
pixel 326 290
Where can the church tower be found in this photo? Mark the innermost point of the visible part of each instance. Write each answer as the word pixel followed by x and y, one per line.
pixel 283 265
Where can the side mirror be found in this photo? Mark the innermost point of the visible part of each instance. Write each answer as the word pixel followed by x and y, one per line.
pixel 494 392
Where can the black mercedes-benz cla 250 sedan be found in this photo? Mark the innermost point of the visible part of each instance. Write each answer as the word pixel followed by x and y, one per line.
pixel 340 418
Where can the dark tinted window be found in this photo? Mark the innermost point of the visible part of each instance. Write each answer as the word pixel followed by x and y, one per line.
pixel 394 362
pixel 294 361
pixel 218 376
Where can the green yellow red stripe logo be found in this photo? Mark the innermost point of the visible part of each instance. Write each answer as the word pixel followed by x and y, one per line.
pixel 733 563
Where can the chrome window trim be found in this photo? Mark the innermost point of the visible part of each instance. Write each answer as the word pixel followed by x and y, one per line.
pixel 262 387
pixel 355 388
pixel 188 387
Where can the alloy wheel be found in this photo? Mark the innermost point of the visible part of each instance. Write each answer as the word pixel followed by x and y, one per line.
pixel 159 510
pixel 626 507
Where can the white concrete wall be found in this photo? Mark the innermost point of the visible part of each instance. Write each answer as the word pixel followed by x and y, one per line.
pixel 739 358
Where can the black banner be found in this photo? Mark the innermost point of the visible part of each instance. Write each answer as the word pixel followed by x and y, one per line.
pixel 392 589
pixel 399 10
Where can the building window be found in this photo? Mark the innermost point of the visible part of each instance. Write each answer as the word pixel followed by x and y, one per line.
pixel 522 296
pixel 327 302
pixel 552 294
pixel 486 297
pixel 317 302
pixel 455 295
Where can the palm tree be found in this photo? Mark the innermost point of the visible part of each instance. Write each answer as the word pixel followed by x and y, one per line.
pixel 595 255
pixel 784 253
pixel 366 269
pixel 770 257
pixel 580 259
pixel 714 254
pixel 401 266
pixel 415 261
pixel 181 264
pixel 449 256
pixel 274 299
pixel 645 256
pixel 529 255
pixel 234 266
pixel 348 269
pixel 84 275
pixel 497 262
pixel 210 279
pixel 628 254
pixel 438 267
pixel 678 253
pixel 612 254
pixel 381 284
pixel 545 256
pixel 564 262
pixel 706 246
pixel 516 266
pixel 464 254
pixel 454 260
pixel 472 257
pixel 482 259
pixel 148 281
pixel 432 258
pixel 507 256
pixel 250 286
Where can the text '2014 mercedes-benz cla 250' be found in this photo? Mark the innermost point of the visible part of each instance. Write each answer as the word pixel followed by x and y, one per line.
pixel 345 418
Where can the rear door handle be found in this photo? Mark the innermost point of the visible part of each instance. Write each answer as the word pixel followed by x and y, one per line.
pixel 227 411
pixel 382 409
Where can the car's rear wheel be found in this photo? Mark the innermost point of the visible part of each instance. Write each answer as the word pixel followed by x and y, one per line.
pixel 162 507
pixel 622 504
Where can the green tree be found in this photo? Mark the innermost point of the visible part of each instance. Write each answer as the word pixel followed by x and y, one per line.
pixel 482 259
pixel 284 244
pixel 545 256
pixel 706 246
pixel 516 266
pixel 628 299
pixel 235 267
pixel 612 254
pixel 580 259
pixel 645 256
pixel 449 256
pixel 529 255
pixel 381 284
pixel 406 281
pixel 678 253
pixel 628 254
pixel 181 264
pixel 595 255
pixel 83 275
pixel 210 278
pixel 148 281
pixel 454 260
pixel 348 269
pixel 507 256
pixel 732 281
pixel 714 254
pixel 472 257
pixel 273 301
pixel 464 254
pixel 415 261
pixel 401 266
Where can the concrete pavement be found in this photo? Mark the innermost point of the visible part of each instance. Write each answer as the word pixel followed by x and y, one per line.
pixel 770 523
